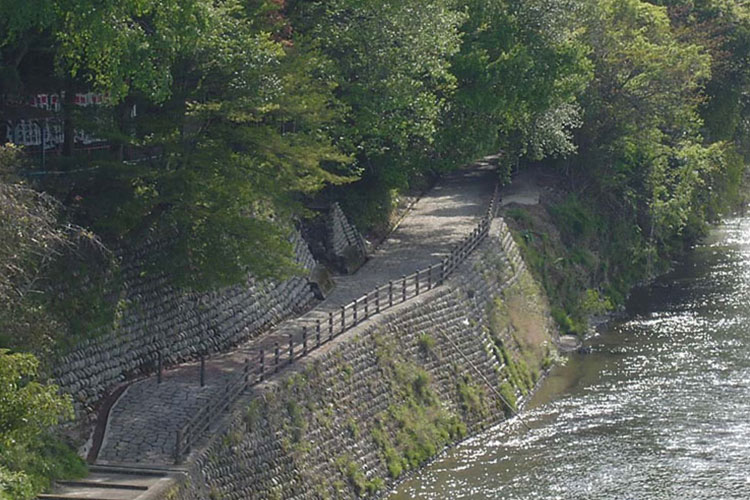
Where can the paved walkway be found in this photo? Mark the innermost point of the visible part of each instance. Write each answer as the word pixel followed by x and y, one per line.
pixel 144 421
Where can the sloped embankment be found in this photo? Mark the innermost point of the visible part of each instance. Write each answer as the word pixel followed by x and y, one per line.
pixel 389 395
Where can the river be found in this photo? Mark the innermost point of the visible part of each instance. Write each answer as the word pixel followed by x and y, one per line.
pixel 659 410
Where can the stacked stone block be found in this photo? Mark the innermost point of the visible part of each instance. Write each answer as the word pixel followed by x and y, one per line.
pixel 179 325
pixel 343 388
pixel 347 244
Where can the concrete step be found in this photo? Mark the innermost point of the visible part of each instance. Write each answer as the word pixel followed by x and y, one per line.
pixel 109 483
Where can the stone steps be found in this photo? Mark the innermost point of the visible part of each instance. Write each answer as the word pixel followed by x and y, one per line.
pixel 111 483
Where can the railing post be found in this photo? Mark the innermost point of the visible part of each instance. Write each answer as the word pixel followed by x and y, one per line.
pixel 355 312
pixel 291 348
pixel 429 277
pixel 178 447
pixel 276 356
pixel 390 293
pixel 416 283
pixel 367 310
pixel 343 318
pixel 203 370
pixel 330 325
pixel 377 300
pixel 262 365
pixel 158 368
pixel 403 288
pixel 304 340
pixel 317 332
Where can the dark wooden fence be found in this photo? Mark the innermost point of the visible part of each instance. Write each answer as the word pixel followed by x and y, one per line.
pixel 272 357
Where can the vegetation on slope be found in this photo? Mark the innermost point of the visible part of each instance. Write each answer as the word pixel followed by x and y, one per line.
pixel 223 120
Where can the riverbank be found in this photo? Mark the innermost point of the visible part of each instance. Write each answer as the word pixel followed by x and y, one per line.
pixel 386 397
pixel 657 410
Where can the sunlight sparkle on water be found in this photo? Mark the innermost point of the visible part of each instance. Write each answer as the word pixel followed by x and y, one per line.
pixel 657 411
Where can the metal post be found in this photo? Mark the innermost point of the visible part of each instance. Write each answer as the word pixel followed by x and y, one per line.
pixel 390 294
pixel 304 340
pixel 416 283
pixel 403 288
pixel 291 348
pixel 203 370
pixel 178 447
pixel 367 311
pixel 43 127
pixel 377 300
pixel 262 366
pixel 317 332
pixel 158 368
pixel 355 311
pixel 330 325
pixel 277 355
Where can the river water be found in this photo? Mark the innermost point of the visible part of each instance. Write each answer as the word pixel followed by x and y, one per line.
pixel 659 410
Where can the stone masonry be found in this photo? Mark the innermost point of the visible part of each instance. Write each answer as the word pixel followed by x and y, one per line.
pixel 310 433
pixel 440 219
pixel 180 325
pixel 343 234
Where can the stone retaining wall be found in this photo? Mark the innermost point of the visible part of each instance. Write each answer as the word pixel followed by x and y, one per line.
pixel 158 318
pixel 347 244
pixel 381 399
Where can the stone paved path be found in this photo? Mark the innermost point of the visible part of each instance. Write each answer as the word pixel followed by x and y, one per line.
pixel 144 421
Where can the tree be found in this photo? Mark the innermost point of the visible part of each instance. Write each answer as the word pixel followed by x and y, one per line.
pixel 642 134
pixel 392 65
pixel 235 123
pixel 28 409
pixel 30 239
pixel 520 70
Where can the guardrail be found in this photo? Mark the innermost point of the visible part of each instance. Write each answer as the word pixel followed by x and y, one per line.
pixel 271 358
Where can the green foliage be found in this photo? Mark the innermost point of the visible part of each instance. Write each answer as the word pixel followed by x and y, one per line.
pixel 393 70
pixel 509 399
pixel 519 70
pixel 353 428
pixel 253 107
pixel 516 370
pixel 357 479
pixel 426 343
pixel 30 239
pixel 353 474
pixel 297 421
pixel 29 457
pixel 253 415
pixel 471 398
pixel 416 427
pixel 564 322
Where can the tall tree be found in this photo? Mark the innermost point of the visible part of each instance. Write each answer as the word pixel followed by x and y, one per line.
pixel 236 124
pixel 642 141
pixel 392 64
pixel 520 69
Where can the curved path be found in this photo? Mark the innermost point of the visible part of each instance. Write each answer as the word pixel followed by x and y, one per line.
pixel 143 422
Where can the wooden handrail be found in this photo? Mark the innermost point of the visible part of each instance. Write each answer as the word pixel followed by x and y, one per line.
pixel 388 295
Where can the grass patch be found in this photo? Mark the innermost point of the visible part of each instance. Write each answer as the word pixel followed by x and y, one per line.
pixel 471 398
pixel 416 428
pixel 426 343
